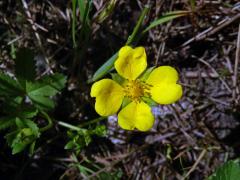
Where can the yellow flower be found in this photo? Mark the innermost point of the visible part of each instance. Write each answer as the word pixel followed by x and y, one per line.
pixel 161 86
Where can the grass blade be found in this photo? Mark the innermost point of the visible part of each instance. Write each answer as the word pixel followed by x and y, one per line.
pixel 106 12
pixel 165 18
pixel 138 25
pixel 108 65
pixel 81 5
pixel 85 20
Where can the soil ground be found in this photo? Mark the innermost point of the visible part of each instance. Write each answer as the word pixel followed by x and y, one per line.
pixel 189 139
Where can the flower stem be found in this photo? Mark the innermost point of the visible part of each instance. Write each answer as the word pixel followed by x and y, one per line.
pixel 79 128
pixel 69 126
pixel 49 120
pixel 92 121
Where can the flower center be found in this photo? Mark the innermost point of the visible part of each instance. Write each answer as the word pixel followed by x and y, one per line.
pixel 135 89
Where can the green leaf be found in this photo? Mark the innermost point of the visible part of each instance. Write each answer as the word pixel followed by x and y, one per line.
pixel 26 134
pixel 149 101
pixel 25 65
pixel 42 103
pixel 229 171
pixel 11 136
pixel 117 78
pixel 100 130
pixel 84 18
pixel 165 18
pixel 26 123
pixel 82 7
pixel 27 112
pixel 11 106
pixel 6 122
pixel 18 140
pixel 87 138
pixel 41 91
pixel 126 101
pixel 146 73
pixel 9 86
pixel 85 28
pixel 78 140
pixel 56 81
pixel 21 140
pixel 104 69
pixel 137 27
pixel 19 123
pixel 33 126
pixel 69 145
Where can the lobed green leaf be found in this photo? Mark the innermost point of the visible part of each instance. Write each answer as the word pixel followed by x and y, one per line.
pixel 26 134
pixel 9 86
pixel 41 91
pixel 6 122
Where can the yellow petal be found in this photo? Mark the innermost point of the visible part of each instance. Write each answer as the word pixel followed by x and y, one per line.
pixel 163 74
pixel 166 93
pixel 131 62
pixel 124 51
pixel 109 96
pixel 136 115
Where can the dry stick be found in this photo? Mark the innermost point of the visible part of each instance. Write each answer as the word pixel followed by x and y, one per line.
pixel 30 20
pixel 235 91
pixel 214 71
pixel 118 161
pixel 196 163
pixel 195 74
pixel 25 6
pixel 210 31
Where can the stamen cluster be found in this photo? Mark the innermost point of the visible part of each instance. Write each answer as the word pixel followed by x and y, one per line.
pixel 135 89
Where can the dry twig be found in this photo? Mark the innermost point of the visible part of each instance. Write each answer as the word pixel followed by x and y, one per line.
pixel 235 88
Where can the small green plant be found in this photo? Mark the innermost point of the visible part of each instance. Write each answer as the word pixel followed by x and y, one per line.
pixel 228 171
pixel 80 138
pixel 25 99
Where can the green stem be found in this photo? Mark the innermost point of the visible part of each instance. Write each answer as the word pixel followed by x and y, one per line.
pixel 69 126
pixel 92 121
pixel 50 123
pixel 79 128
